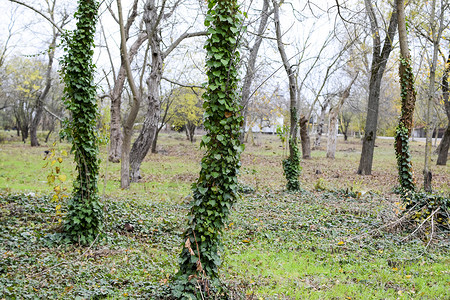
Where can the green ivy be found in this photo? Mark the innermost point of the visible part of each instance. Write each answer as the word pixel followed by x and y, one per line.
pixel 291 168
pixel 84 217
pixel 217 186
pixel 291 165
pixel 404 165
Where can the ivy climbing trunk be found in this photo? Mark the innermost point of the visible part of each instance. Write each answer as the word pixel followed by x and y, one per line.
pixel 216 188
pixel 408 96
pixel 84 213
pixel 291 165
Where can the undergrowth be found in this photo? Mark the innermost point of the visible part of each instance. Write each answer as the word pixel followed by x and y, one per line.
pixel 313 245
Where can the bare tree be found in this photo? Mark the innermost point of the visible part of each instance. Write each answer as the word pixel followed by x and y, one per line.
pixel 436 33
pixel 115 149
pixel 250 73
pixel 152 20
pixel 380 55
pixel 135 103
pixel 332 120
pixel 41 97
pixel 293 104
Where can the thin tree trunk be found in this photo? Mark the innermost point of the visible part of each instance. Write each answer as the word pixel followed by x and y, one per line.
pixel 436 36
pixel 306 141
pixel 379 61
pixel 40 101
pixel 250 73
pixel 128 126
pixel 292 163
pixel 333 118
pixel 320 125
pixel 445 142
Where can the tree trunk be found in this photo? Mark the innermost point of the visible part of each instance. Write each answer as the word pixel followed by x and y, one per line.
pixel 436 37
pixel 291 165
pixel 444 147
pixel 379 61
pixel 333 120
pixel 250 73
pixel 332 135
pixel 304 136
pixel 148 132
pixel 41 98
pixel 116 136
pixel 320 124
pixel 408 96
pixel 445 142
pixel 34 142
pixel 115 133
pixel 135 104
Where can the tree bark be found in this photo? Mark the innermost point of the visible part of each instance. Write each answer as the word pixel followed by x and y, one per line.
pixel 379 61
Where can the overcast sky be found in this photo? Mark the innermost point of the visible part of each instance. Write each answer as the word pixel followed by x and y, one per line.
pixel 31 32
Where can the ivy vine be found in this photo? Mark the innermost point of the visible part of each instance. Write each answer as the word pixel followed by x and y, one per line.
pixel 291 165
pixel 404 165
pixel 216 188
pixel 291 168
pixel 84 217
pixel 403 130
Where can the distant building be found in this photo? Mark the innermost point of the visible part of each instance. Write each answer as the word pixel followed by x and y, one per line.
pixel 267 126
pixel 419 132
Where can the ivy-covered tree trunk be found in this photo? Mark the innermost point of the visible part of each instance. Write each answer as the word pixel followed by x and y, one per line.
pixel 216 188
pixel 408 95
pixel 84 214
pixel 291 165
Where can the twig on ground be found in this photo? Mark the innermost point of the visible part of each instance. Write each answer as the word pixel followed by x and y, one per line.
pixel 432 232
pixel 431 215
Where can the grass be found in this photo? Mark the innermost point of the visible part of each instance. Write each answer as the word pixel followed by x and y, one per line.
pixel 310 245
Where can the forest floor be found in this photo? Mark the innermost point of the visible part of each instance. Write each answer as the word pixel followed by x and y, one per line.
pixel 341 238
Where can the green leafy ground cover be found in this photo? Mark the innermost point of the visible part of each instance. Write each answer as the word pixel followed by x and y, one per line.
pixel 311 245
